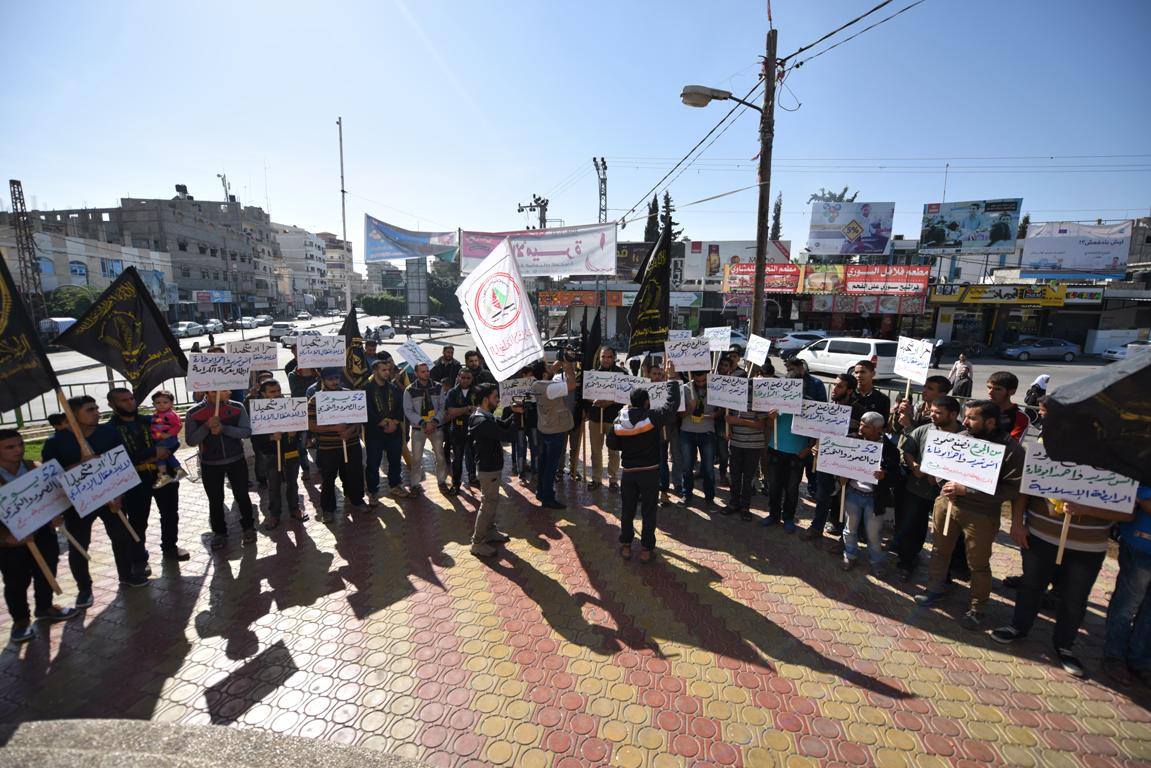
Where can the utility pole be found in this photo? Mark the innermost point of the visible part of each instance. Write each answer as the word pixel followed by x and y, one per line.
pixel 344 222
pixel 763 218
pixel 601 171
pixel 538 204
pixel 30 284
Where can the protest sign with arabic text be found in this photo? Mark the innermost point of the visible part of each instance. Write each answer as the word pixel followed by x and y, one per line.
pixel 29 502
pixel 94 482
pixel 689 355
pixel 342 406
pixel 962 459
pixel 850 457
pixel 727 392
pixel 321 351
pixel 515 388
pixel 278 414
pixel 411 353
pixel 913 359
pixel 817 419
pixel 265 356
pixel 216 371
pixel 1083 484
pixel 783 395
pixel 758 348
pixel 718 338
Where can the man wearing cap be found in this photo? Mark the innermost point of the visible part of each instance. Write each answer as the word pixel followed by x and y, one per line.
pixel 337 454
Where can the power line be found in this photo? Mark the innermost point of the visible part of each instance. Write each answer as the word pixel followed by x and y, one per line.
pixel 856 20
pixel 620 158
pixel 800 63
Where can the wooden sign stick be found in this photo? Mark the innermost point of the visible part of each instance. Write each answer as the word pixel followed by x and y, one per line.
pixel 1062 507
pixel 74 544
pixel 39 558
pixel 947 519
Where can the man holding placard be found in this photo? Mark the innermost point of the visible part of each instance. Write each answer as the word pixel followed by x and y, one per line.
pixel 459 404
pixel 697 435
pixel 964 508
pixel 865 493
pixel 218 426
pixel 279 451
pixel 17 561
pixel 600 414
pixel 384 431
pixel 424 408
pixel 337 449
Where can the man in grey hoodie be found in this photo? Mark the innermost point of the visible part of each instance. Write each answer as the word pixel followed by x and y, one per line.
pixel 218 426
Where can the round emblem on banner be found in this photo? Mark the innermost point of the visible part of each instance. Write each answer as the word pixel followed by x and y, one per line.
pixel 498 301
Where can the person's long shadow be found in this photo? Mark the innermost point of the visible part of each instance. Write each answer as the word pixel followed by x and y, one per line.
pixel 298 572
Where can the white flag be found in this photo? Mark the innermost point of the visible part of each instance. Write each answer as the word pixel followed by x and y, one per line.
pixel 498 314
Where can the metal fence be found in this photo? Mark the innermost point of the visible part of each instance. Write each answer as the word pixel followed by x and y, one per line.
pixel 37 410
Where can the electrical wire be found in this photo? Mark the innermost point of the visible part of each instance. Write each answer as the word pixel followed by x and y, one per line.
pixel 801 62
pixel 837 30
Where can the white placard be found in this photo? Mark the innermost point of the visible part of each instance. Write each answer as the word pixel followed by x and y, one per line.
pixel 93 483
pixel 913 359
pixel 609 385
pixel 727 392
pixel 29 502
pixel 411 353
pixel 278 414
pixel 783 395
pixel 758 348
pixel 1080 483
pixel 265 356
pixel 689 355
pixel 515 388
pixel 850 457
pixel 341 406
pixel 216 371
pixel 817 419
pixel 676 334
pixel 321 351
pixel 962 459
pixel 659 392
pixel 718 339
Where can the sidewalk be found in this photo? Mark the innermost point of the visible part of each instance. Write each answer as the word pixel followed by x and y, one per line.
pixel 739 645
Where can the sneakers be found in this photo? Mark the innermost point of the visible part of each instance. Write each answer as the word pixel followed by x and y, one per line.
pixel 484 550
pixel 57 613
pixel 769 521
pixel 1006 635
pixel 271 524
pixel 789 526
pixel 398 492
pixel 972 620
pixel 135 580
pixel 248 537
pixel 161 481
pixel 22 633
pixel 811 533
pixel 453 490
pixel 929 598
pixel 593 484
pixel 498 537
pixel 846 563
pixel 84 599
pixel 613 485
pixel 1071 665
pixel 177 554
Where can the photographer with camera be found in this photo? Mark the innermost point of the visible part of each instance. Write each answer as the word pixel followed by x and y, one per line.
pixel 554 405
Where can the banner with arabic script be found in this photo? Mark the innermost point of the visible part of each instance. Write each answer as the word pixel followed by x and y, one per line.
pixel 582 250
pixel 886 280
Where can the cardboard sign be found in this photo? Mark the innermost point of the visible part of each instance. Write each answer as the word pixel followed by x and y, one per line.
pixel 343 406
pixel 29 502
pixel 758 348
pixel 850 457
pixel 1083 484
pixel 610 385
pixel 320 351
pixel 688 355
pixel 216 371
pixel 821 420
pixel 279 414
pixel 265 356
pixel 718 339
pixel 783 395
pixel 411 353
pixel 676 334
pixel 93 483
pixel 515 388
pixel 913 359
pixel 727 392
pixel 962 459
pixel 659 392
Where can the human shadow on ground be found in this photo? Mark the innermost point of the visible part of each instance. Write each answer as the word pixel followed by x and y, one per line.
pixel 250 684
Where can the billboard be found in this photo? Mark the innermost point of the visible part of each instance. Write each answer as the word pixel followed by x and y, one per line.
pixel 1067 246
pixel 629 257
pixel 891 280
pixel 557 252
pixel 387 242
pixel 975 226
pixel 849 228
pixel 896 279
pixel 705 260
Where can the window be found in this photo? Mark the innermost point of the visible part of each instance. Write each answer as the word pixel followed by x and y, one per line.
pixel 849 348
pixel 182 245
pixel 111 268
pixel 818 347
pixel 204 274
pixel 156 246
pixel 886 348
pixel 215 275
pixel 212 252
pixel 47 266
pixel 78 269
pixel 185 272
pixel 232 254
pixel 201 248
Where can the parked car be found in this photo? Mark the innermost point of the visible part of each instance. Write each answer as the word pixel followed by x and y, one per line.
pixel 186 329
pixel 386 332
pixel 245 322
pixel 1120 353
pixel 281 329
pixel 791 342
pixel 554 345
pixel 213 326
pixel 1042 349
pixel 288 340
pixel 264 320
pixel 840 354
pixel 303 316
pixel 435 322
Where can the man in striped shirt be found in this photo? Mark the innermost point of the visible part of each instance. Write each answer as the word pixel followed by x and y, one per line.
pixel 745 445
pixel 1036 525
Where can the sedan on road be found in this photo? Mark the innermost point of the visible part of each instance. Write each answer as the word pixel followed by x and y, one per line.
pixel 1042 349
pixel 288 340
pixel 435 322
pixel 1120 353
pixel 303 316
pixel 263 320
pixel 213 326
pixel 186 329
pixel 246 322
pixel 793 341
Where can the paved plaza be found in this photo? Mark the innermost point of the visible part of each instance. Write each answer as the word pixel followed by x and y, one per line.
pixel 738 645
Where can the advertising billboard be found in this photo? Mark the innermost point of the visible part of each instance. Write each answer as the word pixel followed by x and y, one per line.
pixel 974 226
pixel 387 242
pixel 1067 246
pixel 849 228
pixel 705 260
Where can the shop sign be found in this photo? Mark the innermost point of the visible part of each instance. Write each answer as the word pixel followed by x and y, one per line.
pixel 1030 295
pixel 1083 296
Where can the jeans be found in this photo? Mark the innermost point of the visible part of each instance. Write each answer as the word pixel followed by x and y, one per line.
pixel 826 501
pixel 350 472
pixel 744 466
pixel 20 570
pixel 722 454
pixel 1078 573
pixel 489 507
pixel 1129 615
pixel 525 441
pixel 462 453
pixel 383 444
pixel 168 503
pixel 978 533
pixel 419 440
pixel 212 476
pixel 639 488
pixel 136 504
pixel 783 494
pixel 171 464
pixel 305 462
pixel 704 443
pixel 912 531
pixel 551 454
pixel 282 483
pixel 574 438
pixel 859 512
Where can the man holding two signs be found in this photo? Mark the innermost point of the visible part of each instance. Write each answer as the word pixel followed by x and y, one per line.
pixel 275 443
pixel 218 426
pixel 337 449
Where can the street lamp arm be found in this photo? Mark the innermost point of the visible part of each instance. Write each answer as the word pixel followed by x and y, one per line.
pixel 748 104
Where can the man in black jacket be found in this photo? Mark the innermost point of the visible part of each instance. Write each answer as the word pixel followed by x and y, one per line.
pixel 636 435
pixel 384 432
pixel 461 400
pixel 279 452
pixel 487 435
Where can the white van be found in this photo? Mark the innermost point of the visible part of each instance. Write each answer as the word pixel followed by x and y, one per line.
pixel 839 355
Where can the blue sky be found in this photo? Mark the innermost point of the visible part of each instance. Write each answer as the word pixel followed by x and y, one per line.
pixel 456 111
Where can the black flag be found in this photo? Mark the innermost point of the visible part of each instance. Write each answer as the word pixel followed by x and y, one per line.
pixel 24 368
pixel 355 361
pixel 591 343
pixel 650 315
pixel 124 329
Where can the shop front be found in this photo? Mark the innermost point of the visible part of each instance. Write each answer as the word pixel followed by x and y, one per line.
pixel 991 315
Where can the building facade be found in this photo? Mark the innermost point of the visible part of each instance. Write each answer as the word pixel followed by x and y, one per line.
pixel 307 268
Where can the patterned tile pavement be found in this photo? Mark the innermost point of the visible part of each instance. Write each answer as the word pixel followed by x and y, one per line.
pixel 738 646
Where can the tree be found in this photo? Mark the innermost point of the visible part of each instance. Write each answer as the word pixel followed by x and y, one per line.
pixel 651 228
pixel 668 220
pixel 71 300
pixel 442 299
pixel 1024 223
pixel 776 214
pixel 823 196
pixel 386 304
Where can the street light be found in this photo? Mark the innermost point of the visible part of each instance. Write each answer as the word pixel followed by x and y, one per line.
pixel 701 96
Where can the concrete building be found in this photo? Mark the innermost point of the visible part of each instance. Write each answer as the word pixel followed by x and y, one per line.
pixel 384 276
pixel 340 270
pixel 304 260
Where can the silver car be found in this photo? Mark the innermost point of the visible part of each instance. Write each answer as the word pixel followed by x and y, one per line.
pixel 1120 353
pixel 1042 349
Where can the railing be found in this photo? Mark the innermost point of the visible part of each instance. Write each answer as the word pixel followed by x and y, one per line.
pixel 38 409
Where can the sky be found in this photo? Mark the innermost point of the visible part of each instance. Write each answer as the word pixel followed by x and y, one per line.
pixel 456 112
